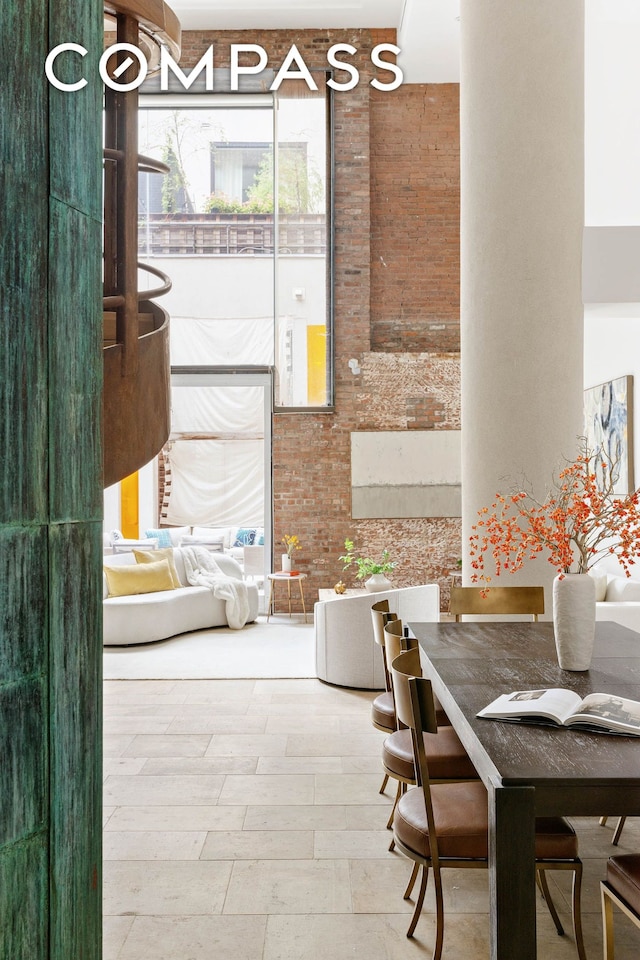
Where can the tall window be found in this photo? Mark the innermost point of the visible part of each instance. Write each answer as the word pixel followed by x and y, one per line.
pixel 242 221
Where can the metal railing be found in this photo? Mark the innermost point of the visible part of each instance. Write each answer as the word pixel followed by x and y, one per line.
pixel 232 235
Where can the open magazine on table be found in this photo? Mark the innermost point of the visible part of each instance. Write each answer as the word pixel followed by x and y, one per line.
pixel 603 712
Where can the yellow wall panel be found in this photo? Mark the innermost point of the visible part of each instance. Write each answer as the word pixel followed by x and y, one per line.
pixel 317 365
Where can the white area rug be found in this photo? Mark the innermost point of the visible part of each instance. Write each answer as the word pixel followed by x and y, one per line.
pixel 281 648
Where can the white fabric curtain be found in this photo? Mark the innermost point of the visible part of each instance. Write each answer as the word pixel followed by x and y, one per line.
pixel 217 410
pixel 216 483
pixel 196 341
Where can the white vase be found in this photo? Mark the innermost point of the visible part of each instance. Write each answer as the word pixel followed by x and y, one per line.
pixel 574 619
pixel 286 563
pixel 378 582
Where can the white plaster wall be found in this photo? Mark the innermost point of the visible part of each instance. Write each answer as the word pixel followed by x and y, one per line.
pixel 612 185
pixel 612 109
pixel 111 516
pixel 228 287
pixel 612 349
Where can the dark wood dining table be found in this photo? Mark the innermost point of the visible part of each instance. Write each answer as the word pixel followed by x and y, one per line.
pixel 532 770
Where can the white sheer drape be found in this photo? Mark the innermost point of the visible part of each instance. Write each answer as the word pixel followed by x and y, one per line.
pixel 217 410
pixel 238 341
pixel 216 483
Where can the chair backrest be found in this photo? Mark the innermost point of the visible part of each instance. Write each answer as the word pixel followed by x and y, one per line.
pixel 380 616
pixel 423 720
pixel 395 642
pixel 405 665
pixel 253 561
pixel 497 601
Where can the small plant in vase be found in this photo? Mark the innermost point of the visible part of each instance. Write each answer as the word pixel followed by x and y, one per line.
pixel 291 543
pixel 374 570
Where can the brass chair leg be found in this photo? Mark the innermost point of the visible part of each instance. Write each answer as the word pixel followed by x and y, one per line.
pixel 607 922
pixel 419 901
pixel 548 899
pixel 576 912
pixel 384 783
pixel 437 950
pixel 602 821
pixel 618 831
pixel 412 880
pixel 395 804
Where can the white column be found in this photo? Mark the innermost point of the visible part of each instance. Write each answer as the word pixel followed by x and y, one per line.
pixel 522 158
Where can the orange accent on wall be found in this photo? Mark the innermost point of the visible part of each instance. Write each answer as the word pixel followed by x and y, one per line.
pixel 129 517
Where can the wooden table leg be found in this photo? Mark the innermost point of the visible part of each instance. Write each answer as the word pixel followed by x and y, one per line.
pixel 512 882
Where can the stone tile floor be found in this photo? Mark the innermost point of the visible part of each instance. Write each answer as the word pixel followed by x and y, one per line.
pixel 243 819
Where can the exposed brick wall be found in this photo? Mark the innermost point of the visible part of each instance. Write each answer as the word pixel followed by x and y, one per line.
pixel 396 308
pixel 415 219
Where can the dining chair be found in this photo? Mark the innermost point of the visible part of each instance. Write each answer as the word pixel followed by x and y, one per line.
pixel 617 831
pixel 439 825
pixel 447 758
pixel 383 711
pixel 622 888
pixel 496 601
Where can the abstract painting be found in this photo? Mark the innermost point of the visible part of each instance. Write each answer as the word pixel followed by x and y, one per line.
pixel 608 427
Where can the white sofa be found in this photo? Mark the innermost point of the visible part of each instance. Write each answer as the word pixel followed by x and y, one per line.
pixel 230 540
pixel 617 596
pixel 142 618
pixel 346 653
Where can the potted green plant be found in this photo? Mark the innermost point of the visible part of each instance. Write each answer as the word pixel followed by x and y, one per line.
pixel 374 570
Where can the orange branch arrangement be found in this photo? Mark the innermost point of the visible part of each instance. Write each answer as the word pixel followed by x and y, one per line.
pixel 580 521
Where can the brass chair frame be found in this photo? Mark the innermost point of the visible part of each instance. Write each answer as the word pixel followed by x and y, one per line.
pixel 395 644
pixel 420 712
pixel 477 601
pixel 609 897
pixel 617 831
pixel 381 615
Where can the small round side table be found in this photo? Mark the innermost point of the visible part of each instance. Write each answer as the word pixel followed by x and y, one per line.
pixel 288 578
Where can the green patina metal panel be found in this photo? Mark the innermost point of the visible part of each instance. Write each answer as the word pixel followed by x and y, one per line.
pixel 23 748
pixel 75 364
pixel 24 932
pixel 73 123
pixel 76 723
pixel 24 175
pixel 50 490
pixel 24 648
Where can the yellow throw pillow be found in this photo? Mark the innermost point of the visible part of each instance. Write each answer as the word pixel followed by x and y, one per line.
pixel 152 556
pixel 138 578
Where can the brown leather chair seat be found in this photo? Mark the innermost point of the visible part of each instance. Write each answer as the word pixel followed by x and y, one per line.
pixel 383 711
pixel 461 816
pixel 623 873
pixel 448 760
pixel 622 889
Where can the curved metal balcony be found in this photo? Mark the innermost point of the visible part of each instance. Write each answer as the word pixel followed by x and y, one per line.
pixel 136 407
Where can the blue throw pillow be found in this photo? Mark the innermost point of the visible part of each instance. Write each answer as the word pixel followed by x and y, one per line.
pixel 163 536
pixel 245 537
pixel 259 538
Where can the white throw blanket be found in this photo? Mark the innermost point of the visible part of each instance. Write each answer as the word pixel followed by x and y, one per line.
pixel 202 570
